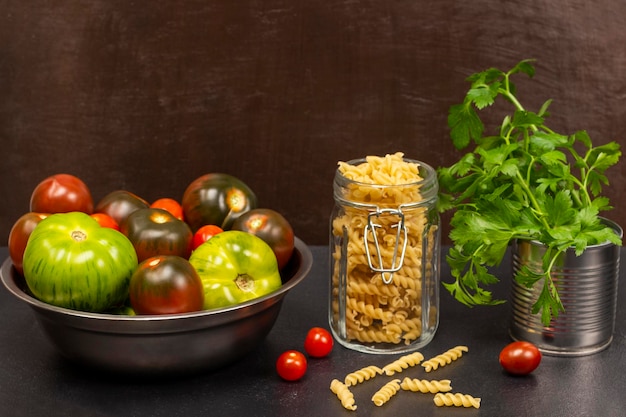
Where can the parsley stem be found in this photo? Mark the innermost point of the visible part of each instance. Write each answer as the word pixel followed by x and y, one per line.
pixel 506 93
pixel 539 214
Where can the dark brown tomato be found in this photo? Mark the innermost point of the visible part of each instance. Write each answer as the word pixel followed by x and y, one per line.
pixel 119 204
pixel 166 285
pixel 156 232
pixel 216 199
pixel 273 228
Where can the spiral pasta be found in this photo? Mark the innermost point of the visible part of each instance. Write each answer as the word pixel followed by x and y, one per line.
pixel 385 393
pixel 441 388
pixel 444 358
pixel 458 400
pixel 374 336
pixel 403 363
pixel 376 310
pixel 425 386
pixel 362 374
pixel 343 393
pixel 369 310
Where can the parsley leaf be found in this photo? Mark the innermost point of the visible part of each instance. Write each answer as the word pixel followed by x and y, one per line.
pixel 465 125
pixel 525 181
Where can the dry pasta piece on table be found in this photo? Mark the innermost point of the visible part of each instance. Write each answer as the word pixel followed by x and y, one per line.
pixel 457 400
pixel 403 363
pixel 362 374
pixel 344 394
pixel 387 391
pixel 444 358
pixel 425 386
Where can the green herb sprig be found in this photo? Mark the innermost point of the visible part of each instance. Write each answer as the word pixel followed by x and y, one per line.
pixel 526 181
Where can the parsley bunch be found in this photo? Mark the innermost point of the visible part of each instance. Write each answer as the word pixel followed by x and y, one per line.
pixel 525 181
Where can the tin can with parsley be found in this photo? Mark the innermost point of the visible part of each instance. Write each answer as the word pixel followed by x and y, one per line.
pixel 587 287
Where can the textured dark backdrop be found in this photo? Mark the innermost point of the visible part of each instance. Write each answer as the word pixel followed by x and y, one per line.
pixel 148 95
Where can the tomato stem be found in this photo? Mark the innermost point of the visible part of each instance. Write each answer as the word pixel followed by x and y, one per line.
pixel 79 235
pixel 245 282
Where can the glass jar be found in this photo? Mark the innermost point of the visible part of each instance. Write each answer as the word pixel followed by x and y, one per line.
pixel 384 255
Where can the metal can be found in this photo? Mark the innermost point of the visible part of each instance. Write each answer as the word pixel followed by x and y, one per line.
pixel 587 285
pixel 384 255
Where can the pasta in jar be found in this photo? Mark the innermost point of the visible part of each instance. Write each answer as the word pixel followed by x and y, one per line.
pixel 384 239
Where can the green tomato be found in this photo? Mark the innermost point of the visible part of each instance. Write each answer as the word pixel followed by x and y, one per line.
pixel 72 262
pixel 234 267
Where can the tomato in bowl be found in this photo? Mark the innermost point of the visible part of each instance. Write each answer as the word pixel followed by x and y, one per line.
pixel 161 344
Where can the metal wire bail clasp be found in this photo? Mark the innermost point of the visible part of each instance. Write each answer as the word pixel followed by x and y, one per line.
pixel 396 263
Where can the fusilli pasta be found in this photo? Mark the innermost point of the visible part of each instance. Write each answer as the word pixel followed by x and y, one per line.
pixel 425 386
pixel 385 393
pixel 362 374
pixel 441 388
pixel 458 400
pixel 343 393
pixel 403 363
pixel 444 358
pixel 371 304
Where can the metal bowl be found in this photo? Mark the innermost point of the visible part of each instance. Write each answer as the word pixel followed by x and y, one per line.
pixel 174 343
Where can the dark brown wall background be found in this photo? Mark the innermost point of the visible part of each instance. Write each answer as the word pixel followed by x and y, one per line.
pixel 148 95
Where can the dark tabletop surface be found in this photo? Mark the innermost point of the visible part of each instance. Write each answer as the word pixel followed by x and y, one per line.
pixel 36 381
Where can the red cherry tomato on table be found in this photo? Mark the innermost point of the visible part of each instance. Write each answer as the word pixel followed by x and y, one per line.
pixel 318 342
pixel 170 205
pixel 520 358
pixel 61 193
pixel 205 233
pixel 106 221
pixel 291 365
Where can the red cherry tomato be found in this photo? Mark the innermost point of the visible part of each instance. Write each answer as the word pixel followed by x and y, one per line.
pixel 18 237
pixel 171 205
pixel 61 193
pixel 520 358
pixel 291 365
pixel 318 342
pixel 205 233
pixel 166 285
pixel 106 221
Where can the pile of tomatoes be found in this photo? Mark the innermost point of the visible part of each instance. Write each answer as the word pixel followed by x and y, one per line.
pixel 126 254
